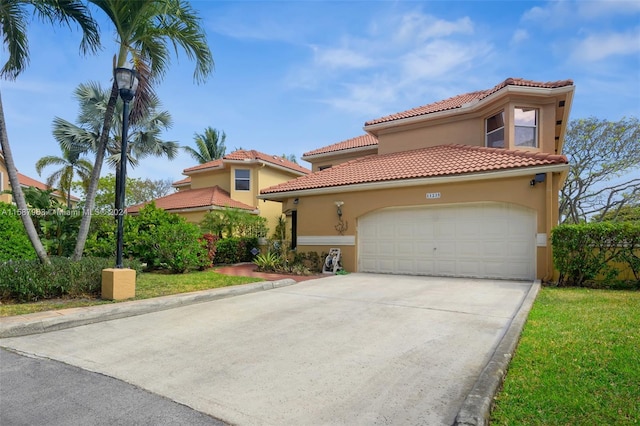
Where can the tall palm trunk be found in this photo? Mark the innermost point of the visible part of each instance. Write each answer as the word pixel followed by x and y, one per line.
pixel 83 232
pixel 16 190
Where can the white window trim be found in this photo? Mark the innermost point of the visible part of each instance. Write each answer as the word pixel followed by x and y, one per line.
pixel 536 128
pixel 503 128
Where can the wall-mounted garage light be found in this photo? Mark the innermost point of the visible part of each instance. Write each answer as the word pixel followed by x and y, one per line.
pixel 339 205
pixel 540 177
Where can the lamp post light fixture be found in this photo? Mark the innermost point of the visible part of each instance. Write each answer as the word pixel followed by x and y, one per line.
pixel 127 83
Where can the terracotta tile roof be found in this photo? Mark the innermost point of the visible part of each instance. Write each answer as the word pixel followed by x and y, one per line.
pixel 250 156
pixel 442 160
pixel 192 198
pixel 182 182
pixel 357 142
pixel 460 100
pixel 27 181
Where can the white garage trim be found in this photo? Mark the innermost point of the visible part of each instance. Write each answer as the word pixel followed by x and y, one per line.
pixel 483 240
pixel 327 240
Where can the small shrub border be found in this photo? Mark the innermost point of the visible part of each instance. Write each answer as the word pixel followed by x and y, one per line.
pixel 584 252
pixel 30 280
pixel 234 250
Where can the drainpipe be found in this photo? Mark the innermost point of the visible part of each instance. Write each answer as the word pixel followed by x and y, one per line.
pixel 549 225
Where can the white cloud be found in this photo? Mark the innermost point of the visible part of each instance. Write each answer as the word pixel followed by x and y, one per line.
pixel 597 47
pixel 554 14
pixel 336 58
pixel 519 36
pixel 401 57
pixel 419 27
pixel 600 9
pixel 559 13
pixel 440 58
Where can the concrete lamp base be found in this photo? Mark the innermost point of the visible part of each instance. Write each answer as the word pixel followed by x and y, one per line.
pixel 118 284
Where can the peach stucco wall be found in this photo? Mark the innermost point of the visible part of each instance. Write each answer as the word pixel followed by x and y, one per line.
pixel 261 177
pixel 210 179
pixel 317 214
pixel 470 129
pixel 4 183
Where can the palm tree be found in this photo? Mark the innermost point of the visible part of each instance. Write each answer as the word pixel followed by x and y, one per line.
pixel 72 164
pixel 210 145
pixel 144 30
pixel 143 138
pixel 13 25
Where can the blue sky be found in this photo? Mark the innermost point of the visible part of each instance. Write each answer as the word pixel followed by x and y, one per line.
pixel 294 76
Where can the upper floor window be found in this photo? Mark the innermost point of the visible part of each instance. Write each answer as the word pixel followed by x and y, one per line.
pixel 526 127
pixel 243 179
pixel 495 131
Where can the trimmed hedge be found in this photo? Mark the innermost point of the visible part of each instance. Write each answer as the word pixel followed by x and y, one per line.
pixel 596 254
pixel 30 280
pixel 235 250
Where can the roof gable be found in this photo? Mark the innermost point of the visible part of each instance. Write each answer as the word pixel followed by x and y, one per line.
pixel 467 99
pixel 249 156
pixel 194 198
pixel 27 181
pixel 357 142
pixel 437 161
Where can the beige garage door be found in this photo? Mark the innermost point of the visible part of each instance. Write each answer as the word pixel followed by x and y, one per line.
pixel 488 240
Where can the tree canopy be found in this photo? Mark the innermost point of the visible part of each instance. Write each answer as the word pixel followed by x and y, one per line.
pixel 604 158
pixel 137 191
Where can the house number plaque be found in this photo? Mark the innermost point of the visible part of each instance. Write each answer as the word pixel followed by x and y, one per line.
pixel 431 195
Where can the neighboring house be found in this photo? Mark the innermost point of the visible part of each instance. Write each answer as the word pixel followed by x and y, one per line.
pixel 464 187
pixel 4 181
pixel 232 181
pixel 25 182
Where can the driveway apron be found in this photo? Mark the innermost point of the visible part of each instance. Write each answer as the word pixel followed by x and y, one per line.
pixel 358 349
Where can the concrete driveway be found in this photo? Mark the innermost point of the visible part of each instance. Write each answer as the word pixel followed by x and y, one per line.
pixel 359 349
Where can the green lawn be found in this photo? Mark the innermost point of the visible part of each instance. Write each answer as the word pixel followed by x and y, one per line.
pixel 577 363
pixel 147 285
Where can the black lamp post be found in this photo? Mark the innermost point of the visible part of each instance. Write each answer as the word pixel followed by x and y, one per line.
pixel 127 82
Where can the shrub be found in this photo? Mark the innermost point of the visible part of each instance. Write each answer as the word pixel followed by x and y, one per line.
pixel 230 222
pixel 30 280
pixel 209 241
pixel 165 240
pixel 14 243
pixel 268 262
pixel 584 252
pixel 235 250
pixel 101 240
pixel 310 259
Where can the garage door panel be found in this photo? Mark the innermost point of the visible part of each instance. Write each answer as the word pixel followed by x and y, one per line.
pixel 445 249
pixel 469 268
pixel 469 248
pixel 491 240
pixel 445 268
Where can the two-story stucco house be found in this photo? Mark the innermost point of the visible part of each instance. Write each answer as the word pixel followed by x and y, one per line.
pixel 464 187
pixel 232 181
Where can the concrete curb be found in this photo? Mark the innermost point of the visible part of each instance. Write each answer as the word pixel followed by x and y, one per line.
pixel 42 322
pixel 476 408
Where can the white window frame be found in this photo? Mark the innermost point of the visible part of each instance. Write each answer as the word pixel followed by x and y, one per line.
pixel 487 132
pixel 536 132
pixel 242 179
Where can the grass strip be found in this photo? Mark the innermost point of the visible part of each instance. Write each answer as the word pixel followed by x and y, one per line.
pixel 577 363
pixel 147 285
